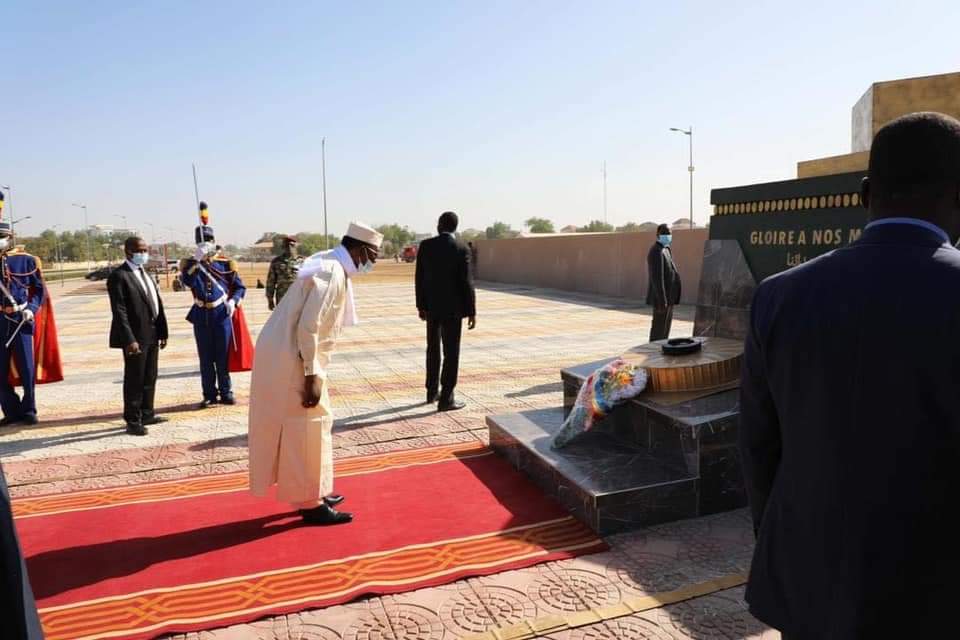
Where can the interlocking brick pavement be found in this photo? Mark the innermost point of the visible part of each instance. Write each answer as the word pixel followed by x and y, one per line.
pixel 511 362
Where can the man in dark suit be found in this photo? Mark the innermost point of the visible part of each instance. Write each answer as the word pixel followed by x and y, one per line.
pixel 18 610
pixel 140 329
pixel 663 290
pixel 445 296
pixel 850 420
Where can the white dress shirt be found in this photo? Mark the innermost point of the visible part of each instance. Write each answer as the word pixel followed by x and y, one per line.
pixel 147 285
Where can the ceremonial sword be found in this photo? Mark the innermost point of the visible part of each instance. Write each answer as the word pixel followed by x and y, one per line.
pixel 13 301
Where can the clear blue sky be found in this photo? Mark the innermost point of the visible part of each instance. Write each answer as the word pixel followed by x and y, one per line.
pixel 497 110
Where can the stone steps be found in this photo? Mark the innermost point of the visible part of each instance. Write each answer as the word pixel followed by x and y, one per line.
pixel 646 463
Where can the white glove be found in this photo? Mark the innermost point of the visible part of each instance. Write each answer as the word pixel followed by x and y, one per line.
pixel 231 307
pixel 27 315
pixel 200 253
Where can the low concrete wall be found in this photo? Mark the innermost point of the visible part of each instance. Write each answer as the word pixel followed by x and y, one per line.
pixel 612 264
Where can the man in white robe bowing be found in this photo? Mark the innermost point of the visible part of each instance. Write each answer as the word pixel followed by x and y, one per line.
pixel 291 418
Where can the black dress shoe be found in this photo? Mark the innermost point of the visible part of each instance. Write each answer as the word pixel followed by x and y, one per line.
pixel 155 420
pixel 9 422
pixel 228 399
pixel 324 514
pixel 29 418
pixel 136 429
pixel 333 500
pixel 452 405
pixel 431 398
pixel 207 403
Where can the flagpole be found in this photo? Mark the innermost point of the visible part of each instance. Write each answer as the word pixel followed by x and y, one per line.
pixel 323 165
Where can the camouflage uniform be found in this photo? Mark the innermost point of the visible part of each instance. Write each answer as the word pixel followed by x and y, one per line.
pixel 282 274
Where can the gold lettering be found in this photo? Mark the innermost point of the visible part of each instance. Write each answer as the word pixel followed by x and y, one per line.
pixel 754 237
pixel 802 239
pixel 818 236
pixel 854 235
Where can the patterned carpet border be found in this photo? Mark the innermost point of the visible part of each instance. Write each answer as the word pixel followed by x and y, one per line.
pixel 148 613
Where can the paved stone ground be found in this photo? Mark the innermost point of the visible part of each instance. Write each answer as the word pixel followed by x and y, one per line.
pixel 510 363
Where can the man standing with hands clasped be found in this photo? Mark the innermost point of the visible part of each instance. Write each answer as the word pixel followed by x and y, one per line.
pixel 139 328
pixel 445 296
pixel 663 292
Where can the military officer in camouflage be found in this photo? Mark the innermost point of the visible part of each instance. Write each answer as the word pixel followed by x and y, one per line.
pixel 283 271
pixel 21 295
pixel 217 290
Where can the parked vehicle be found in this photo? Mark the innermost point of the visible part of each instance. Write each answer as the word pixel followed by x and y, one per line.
pixel 409 253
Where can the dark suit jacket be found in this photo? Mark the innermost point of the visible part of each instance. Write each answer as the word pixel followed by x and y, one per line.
pixel 850 439
pixel 132 313
pixel 664 287
pixel 444 283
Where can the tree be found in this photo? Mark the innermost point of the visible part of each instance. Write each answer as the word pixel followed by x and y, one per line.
pixel 397 236
pixel 469 235
pixel 310 243
pixel 540 225
pixel 629 227
pixel 596 226
pixel 500 230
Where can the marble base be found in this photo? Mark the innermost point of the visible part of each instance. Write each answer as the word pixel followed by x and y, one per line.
pixel 610 486
pixel 697 437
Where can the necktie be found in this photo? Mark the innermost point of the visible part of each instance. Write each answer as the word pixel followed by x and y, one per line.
pixel 150 294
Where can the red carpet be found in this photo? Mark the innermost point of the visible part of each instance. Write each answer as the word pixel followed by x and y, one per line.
pixel 140 561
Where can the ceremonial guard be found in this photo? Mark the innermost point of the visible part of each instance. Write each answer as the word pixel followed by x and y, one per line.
pixel 22 290
pixel 217 291
pixel 283 271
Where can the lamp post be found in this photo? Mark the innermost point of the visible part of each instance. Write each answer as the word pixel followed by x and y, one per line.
pixel 689 134
pixel 14 222
pixel 56 229
pixel 9 191
pixel 86 231
pixel 323 173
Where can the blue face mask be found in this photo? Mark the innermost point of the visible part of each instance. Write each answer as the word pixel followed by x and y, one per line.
pixel 140 259
pixel 665 240
pixel 365 267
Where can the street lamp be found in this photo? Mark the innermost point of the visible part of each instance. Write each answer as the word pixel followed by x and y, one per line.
pixel 56 229
pixel 14 222
pixel 689 133
pixel 86 230
pixel 126 229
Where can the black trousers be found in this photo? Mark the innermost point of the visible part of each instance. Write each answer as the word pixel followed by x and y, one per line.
pixel 140 383
pixel 18 610
pixel 662 318
pixel 446 333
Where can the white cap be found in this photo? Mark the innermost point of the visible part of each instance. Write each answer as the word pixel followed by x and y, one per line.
pixel 363 233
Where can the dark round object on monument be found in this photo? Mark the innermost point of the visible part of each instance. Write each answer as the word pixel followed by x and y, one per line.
pixel 681 346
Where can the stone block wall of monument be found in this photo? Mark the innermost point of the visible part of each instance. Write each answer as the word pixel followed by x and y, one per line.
pixel 883 102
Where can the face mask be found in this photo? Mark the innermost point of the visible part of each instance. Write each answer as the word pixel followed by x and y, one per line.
pixel 140 259
pixel 365 267
pixel 665 240
pixel 4 243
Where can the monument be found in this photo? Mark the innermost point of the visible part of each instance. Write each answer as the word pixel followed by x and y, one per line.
pixel 670 454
